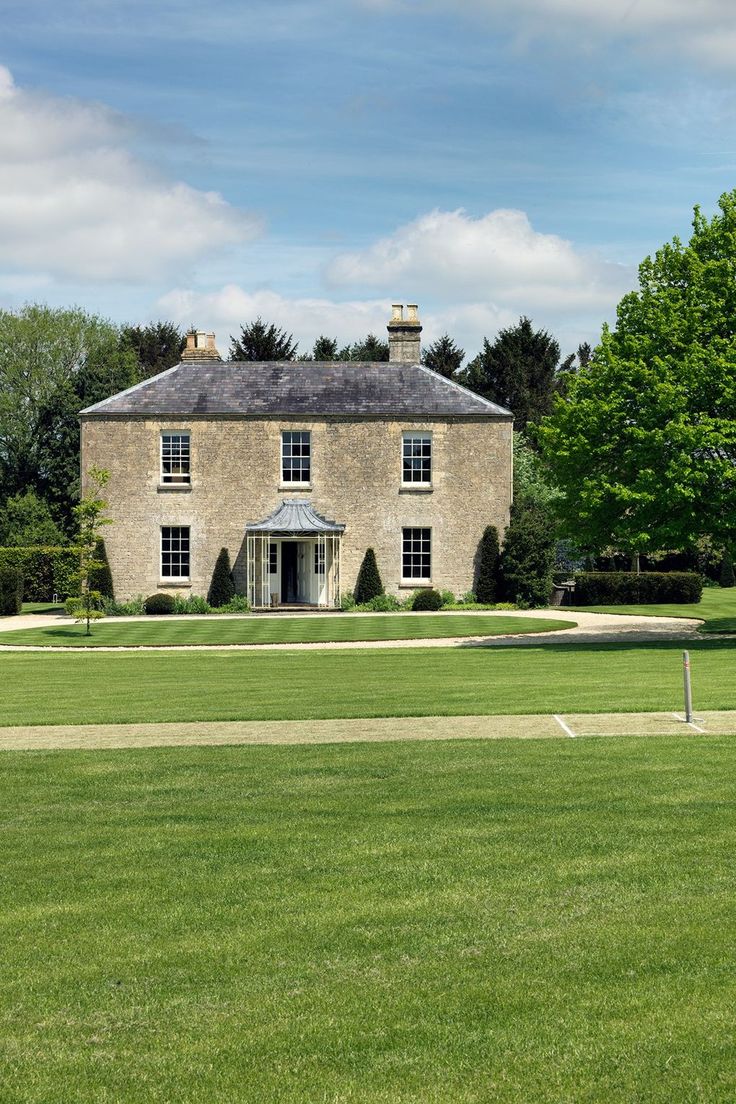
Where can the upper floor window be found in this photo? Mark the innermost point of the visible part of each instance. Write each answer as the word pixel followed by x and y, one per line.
pixel 174 551
pixel 175 458
pixel 417 458
pixel 416 554
pixel 296 449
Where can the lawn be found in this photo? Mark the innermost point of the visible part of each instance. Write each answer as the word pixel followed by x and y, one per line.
pixel 717 609
pixel 108 687
pixel 404 924
pixel 281 630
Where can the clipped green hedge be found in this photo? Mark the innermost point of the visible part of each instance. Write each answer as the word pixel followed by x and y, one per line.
pixel 11 591
pixel 160 603
pixel 626 588
pixel 427 600
pixel 45 570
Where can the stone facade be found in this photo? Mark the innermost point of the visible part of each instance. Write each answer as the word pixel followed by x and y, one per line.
pixel 356 479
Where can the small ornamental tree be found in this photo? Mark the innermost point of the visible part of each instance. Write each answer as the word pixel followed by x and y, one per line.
pixel 89 514
pixel 369 583
pixel 727 577
pixel 100 578
pixel 222 587
pixel 485 589
pixel 528 556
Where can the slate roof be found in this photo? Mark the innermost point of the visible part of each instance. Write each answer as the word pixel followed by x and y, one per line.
pixel 296 516
pixel 304 389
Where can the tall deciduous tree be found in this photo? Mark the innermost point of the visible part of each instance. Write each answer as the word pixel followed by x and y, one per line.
pixel 644 444
pixel 261 341
pixel 518 371
pixel 26 519
pixel 444 356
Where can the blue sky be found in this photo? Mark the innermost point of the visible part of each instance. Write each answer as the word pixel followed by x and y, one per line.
pixel 314 161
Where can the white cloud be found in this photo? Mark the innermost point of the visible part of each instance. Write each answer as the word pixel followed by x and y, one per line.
pixel 704 29
pixel 75 202
pixel 498 259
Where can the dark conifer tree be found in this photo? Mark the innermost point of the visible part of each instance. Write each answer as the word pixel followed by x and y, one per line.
pixel 157 346
pixel 486 587
pixel 444 356
pixel 369 583
pixel 259 341
pixel 727 577
pixel 325 348
pixel 100 578
pixel 222 587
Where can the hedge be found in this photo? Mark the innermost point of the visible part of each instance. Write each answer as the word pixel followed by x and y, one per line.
pixel 11 591
pixel 626 588
pixel 45 570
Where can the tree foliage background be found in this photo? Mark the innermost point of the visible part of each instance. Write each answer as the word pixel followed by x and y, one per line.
pixel 642 443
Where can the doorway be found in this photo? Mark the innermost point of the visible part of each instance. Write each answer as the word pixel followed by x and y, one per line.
pixel 289 572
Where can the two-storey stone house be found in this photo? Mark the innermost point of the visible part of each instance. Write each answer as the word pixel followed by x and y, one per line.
pixel 297 468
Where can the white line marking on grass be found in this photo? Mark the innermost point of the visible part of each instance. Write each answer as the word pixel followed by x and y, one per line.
pixel 565 728
pixel 692 724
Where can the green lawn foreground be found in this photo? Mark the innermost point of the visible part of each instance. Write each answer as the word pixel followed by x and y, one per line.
pixel 115 687
pixel 405 924
pixel 280 630
pixel 717 608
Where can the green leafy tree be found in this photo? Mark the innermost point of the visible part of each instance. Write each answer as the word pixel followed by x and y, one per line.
pixel 532 482
pixel 100 578
pixel 444 356
pixel 528 556
pixel 222 587
pixel 518 371
pixel 89 513
pixel 157 346
pixel 369 583
pixel 26 519
pixel 259 341
pixel 488 565
pixel 53 363
pixel 643 446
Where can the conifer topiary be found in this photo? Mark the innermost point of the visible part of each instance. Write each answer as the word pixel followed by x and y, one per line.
pixel 485 589
pixel 100 577
pixel 222 587
pixel 369 583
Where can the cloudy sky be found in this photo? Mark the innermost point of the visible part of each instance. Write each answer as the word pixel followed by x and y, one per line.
pixel 313 160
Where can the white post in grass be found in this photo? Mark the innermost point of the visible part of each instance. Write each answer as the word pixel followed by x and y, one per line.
pixel 688 688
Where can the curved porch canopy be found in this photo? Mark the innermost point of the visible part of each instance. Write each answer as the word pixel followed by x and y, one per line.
pixel 294 517
pixel 318 582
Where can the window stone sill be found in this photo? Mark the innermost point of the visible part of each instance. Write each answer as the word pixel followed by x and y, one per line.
pixel 170 584
pixel 295 486
pixel 416 584
pixel 177 488
pixel 416 488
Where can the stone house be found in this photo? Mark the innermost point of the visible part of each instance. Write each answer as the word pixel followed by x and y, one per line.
pixel 297 468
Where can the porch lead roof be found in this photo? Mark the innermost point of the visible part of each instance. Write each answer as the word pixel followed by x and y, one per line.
pixel 295 516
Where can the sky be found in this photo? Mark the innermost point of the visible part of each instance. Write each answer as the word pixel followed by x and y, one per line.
pixel 313 161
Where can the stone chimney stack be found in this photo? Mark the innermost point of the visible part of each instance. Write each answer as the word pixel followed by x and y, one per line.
pixel 200 346
pixel 404 334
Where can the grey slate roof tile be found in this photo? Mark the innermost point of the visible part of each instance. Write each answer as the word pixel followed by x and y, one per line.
pixel 306 389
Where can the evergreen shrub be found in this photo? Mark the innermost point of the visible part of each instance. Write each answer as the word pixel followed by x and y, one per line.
pixel 11 591
pixel 222 587
pixel 427 600
pixel 488 553
pixel 159 603
pixel 369 583
pixel 100 578
pixel 622 588
pixel 45 570
pixel 527 560
pixel 382 603
pixel 237 604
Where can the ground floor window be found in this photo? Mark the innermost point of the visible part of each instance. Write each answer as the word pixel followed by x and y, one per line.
pixel 174 551
pixel 416 557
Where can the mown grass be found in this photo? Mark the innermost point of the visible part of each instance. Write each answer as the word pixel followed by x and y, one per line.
pixel 107 687
pixel 717 608
pixel 405 924
pixel 280 630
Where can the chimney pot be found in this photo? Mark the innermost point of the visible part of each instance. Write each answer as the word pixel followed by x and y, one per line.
pixel 397 312
pixel 412 309
pixel 404 334
pixel 200 346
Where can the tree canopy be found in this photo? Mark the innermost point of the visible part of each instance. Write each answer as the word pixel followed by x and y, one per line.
pixel 518 370
pixel 444 356
pixel 643 443
pixel 157 346
pixel 262 341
